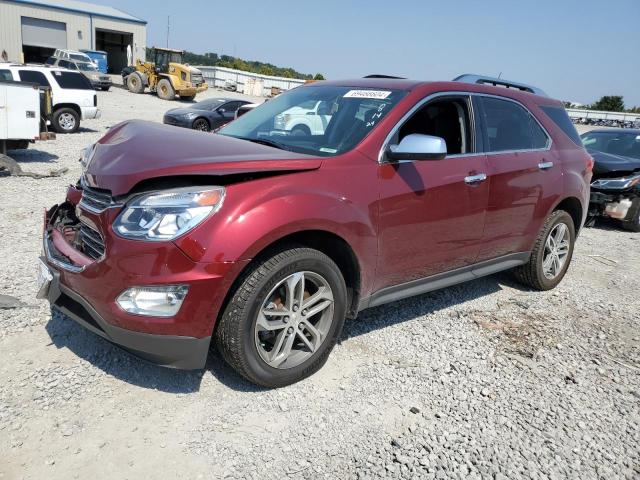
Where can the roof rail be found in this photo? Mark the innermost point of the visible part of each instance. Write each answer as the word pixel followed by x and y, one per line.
pixel 498 82
pixel 375 75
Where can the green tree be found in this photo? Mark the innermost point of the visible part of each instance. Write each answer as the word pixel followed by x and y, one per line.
pixel 266 70
pixel 318 76
pixel 609 103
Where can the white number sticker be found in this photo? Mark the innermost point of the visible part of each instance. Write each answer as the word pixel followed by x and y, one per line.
pixel 377 94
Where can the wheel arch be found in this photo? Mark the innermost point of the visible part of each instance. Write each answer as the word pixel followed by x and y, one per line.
pixel 329 243
pixel 72 106
pixel 573 206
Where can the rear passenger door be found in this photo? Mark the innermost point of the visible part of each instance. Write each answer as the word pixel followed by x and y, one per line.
pixel 525 177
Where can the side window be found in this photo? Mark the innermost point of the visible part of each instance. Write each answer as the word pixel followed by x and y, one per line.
pixel 5 75
pixel 50 61
pixel 445 118
pixel 72 80
pixel 231 106
pixel 34 77
pixel 509 126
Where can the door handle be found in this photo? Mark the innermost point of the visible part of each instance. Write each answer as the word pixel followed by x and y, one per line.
pixel 473 179
pixel 545 165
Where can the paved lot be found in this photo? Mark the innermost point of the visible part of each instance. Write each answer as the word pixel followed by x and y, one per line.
pixel 483 380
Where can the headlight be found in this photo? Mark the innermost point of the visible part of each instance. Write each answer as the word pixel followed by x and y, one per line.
pixel 617 183
pixel 168 214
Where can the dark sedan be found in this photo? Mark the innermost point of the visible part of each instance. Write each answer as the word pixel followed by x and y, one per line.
pixel 206 115
pixel 615 187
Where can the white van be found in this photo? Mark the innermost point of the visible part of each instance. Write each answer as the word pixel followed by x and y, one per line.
pixel 74 98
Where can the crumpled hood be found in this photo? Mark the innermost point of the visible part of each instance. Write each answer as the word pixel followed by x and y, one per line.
pixel 606 164
pixel 137 150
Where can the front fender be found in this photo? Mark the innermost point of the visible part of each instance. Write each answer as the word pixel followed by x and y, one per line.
pixel 257 214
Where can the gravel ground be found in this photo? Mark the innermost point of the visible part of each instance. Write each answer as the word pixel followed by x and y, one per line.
pixel 483 380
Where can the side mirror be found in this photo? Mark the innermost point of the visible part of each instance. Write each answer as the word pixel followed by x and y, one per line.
pixel 418 147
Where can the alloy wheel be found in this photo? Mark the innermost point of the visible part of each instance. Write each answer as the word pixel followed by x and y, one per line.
pixel 556 251
pixel 67 121
pixel 294 320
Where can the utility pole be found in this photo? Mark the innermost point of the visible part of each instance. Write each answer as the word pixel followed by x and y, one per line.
pixel 168 24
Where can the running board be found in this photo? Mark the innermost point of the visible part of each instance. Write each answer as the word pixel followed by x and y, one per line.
pixel 443 280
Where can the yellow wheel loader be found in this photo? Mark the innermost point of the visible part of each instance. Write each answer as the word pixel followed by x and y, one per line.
pixel 167 76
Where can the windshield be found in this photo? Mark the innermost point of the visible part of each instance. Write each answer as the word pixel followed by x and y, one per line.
pixel 75 56
pixel 87 67
pixel 343 118
pixel 208 104
pixel 615 143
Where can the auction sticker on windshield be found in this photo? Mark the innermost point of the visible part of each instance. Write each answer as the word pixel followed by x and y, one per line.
pixel 377 94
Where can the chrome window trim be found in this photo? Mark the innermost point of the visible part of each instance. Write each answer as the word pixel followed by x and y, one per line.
pixel 469 95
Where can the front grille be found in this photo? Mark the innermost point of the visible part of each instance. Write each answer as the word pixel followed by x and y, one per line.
pixel 91 242
pixel 197 78
pixel 96 200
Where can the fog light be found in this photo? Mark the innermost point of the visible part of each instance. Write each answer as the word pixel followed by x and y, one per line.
pixel 153 301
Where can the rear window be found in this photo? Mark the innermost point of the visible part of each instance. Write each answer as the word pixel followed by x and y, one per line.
pixel 72 80
pixel 561 119
pixel 5 75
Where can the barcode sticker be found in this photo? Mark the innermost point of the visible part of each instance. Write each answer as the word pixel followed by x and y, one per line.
pixel 376 94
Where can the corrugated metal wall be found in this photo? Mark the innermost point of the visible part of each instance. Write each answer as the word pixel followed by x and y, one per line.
pixel 78 25
pixel 216 77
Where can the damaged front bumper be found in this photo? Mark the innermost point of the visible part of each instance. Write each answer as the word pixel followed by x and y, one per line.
pixel 618 205
pixel 85 284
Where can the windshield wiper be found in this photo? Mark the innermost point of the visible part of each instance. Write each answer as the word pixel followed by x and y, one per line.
pixel 268 143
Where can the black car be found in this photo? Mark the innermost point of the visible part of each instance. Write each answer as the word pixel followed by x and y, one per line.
pixel 615 187
pixel 206 115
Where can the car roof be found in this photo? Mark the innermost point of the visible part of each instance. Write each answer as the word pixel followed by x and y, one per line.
pixel 457 86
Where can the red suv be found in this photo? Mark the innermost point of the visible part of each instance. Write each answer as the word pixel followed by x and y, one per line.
pixel 264 240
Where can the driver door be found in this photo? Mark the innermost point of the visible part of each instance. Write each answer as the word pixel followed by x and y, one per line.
pixel 432 213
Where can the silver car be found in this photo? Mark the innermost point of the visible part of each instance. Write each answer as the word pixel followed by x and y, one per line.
pixel 99 80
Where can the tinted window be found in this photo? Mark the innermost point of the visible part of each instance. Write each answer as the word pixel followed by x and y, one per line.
pixel 66 64
pixel 561 119
pixel 50 61
pixel 34 77
pixel 72 80
pixel 6 75
pixel 231 106
pixel 510 127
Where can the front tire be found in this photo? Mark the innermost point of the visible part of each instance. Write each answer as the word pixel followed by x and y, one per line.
pixel 551 254
pixel 284 317
pixel 188 98
pixel 66 120
pixel 201 124
pixel 165 90
pixel 301 131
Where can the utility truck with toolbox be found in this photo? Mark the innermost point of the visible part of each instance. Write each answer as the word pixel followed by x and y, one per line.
pixel 24 111
pixel 74 98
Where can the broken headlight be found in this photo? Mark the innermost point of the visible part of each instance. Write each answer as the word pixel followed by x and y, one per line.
pixel 617 183
pixel 168 214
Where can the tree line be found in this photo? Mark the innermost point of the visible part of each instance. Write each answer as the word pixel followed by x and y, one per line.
pixel 214 60
pixel 609 103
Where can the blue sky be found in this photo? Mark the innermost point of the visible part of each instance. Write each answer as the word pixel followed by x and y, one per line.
pixel 576 50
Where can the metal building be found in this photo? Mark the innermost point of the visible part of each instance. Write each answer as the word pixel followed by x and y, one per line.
pixel 30 30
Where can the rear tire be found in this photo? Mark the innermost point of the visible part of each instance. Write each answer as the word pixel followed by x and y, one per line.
pixel 105 89
pixel 188 98
pixel 66 120
pixel 277 355
pixel 542 272
pixel 165 90
pixel 633 225
pixel 135 83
